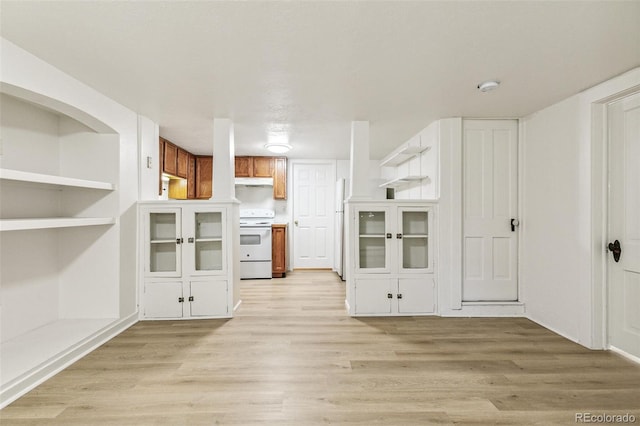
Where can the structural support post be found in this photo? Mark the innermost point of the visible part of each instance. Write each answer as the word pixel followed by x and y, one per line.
pixel 223 160
pixel 359 177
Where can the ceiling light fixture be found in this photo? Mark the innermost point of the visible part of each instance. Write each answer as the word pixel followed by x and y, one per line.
pixel 487 86
pixel 278 147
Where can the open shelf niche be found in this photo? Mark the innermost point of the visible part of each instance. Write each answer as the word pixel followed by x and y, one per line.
pixel 59 244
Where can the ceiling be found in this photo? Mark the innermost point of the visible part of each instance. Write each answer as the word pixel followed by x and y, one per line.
pixel 310 68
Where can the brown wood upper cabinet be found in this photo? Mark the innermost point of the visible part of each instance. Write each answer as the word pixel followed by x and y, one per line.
pixel 204 177
pixel 254 167
pixel 191 178
pixel 170 158
pixel 280 178
pixel 273 167
pixel 182 161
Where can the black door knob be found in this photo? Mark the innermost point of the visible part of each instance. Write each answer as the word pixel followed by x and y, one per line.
pixel 616 249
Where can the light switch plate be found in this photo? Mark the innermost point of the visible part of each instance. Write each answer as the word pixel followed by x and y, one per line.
pixel 149 162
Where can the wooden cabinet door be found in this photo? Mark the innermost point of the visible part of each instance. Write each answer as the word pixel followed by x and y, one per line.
pixel 191 178
pixel 182 168
pixel 280 178
pixel 204 177
pixel 262 167
pixel 244 166
pixel 278 250
pixel 170 160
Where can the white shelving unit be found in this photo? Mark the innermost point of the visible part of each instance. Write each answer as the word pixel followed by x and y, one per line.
pixel 57 181
pixel 402 154
pixel 60 250
pixel 396 182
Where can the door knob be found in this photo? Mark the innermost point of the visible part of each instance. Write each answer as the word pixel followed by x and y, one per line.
pixel 514 223
pixel 616 249
pixel 295 222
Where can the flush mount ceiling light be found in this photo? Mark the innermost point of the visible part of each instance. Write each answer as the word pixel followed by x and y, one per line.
pixel 278 147
pixel 278 139
pixel 487 86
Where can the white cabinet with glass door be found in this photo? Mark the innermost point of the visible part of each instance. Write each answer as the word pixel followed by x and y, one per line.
pixel 393 253
pixel 185 269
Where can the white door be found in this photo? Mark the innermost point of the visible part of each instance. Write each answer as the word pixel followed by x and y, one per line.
pixel 489 204
pixel 624 225
pixel 313 214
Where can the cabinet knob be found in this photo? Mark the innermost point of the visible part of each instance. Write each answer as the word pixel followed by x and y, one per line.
pixel 389 235
pixel 191 299
pixel 399 295
pixel 191 239
pixel 389 296
pixel 399 236
pixel 180 299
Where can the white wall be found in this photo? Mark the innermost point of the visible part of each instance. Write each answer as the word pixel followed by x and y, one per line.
pixel 555 217
pixel 148 136
pixel 563 193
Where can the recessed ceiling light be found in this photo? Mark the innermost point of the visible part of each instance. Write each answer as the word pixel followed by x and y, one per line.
pixel 487 86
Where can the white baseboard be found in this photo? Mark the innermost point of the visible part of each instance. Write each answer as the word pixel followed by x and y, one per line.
pixel 627 355
pixel 40 373
pixel 488 309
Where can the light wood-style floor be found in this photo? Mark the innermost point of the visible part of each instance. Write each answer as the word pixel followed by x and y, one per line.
pixel 291 356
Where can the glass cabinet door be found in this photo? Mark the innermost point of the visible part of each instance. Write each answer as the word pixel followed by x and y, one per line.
pixel 208 241
pixel 414 251
pixel 372 251
pixel 163 243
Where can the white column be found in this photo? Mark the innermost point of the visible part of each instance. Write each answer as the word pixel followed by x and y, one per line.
pixel 359 176
pixel 223 160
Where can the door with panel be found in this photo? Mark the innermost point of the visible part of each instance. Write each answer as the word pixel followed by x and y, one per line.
pixel 490 238
pixel 623 264
pixel 313 211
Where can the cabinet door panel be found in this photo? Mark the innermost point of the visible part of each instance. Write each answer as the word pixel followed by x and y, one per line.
pixel 373 254
pixel 209 298
pixel 161 299
pixel 182 166
pixel 204 177
pixel 372 296
pixel 280 179
pixel 414 251
pixel 417 295
pixel 244 166
pixel 279 250
pixel 170 160
pixel 162 233
pixel 191 178
pixel 263 167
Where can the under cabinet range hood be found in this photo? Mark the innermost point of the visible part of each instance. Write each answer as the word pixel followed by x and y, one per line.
pixel 253 181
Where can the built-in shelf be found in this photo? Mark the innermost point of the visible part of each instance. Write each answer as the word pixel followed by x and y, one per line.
pixel 401 155
pixel 401 181
pixel 53 222
pixel 20 176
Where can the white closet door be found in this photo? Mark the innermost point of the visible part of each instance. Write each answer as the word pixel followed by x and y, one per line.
pixel 624 225
pixel 489 204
